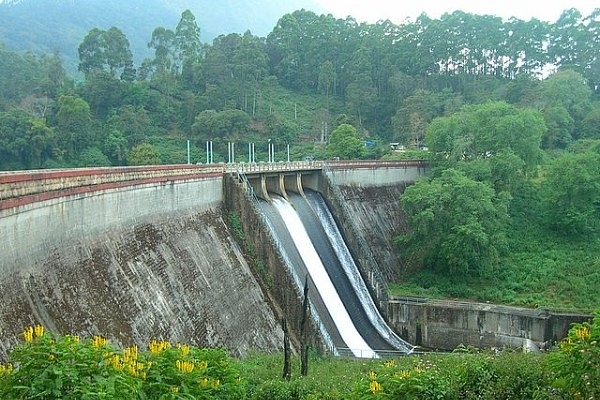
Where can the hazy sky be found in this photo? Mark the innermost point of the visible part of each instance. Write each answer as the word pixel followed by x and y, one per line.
pixel 398 10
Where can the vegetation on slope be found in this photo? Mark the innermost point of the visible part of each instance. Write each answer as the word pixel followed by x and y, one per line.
pixel 52 366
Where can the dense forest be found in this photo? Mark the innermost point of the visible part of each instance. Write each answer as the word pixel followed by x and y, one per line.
pixel 508 112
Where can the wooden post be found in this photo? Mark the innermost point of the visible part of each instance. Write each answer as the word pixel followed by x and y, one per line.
pixel 303 332
pixel 287 366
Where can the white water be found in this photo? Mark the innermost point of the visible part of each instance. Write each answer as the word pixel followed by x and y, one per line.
pixel 351 270
pixel 321 279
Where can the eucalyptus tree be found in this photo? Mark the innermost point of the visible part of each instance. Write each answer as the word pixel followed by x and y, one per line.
pixel 526 43
pixel 360 96
pixel 189 48
pixel 106 51
pixel 250 62
pixel 574 42
pixel 163 43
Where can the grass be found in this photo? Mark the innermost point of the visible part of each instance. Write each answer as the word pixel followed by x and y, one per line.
pixel 460 375
pixel 540 270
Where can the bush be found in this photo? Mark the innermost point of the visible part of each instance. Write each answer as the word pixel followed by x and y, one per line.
pixel 66 367
pixel 576 362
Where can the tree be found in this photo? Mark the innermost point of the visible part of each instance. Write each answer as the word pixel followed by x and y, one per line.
pixel 568 89
pixel 25 142
pixel 457 225
pixel 572 200
pixel 74 126
pixel 143 154
pixel 345 143
pixel 484 130
pixel 360 94
pixel 106 51
pixel 188 45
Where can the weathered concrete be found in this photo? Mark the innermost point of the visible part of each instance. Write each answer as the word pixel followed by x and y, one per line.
pixel 377 214
pixel 444 325
pixel 139 262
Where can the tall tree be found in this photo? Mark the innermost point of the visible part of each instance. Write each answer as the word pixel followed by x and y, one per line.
pixel 189 46
pixel 457 225
pixel 74 126
pixel 106 51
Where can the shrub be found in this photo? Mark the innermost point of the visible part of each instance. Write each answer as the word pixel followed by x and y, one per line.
pixel 66 367
pixel 576 362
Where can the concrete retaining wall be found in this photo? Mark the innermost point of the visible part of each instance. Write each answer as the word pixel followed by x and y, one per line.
pixel 445 325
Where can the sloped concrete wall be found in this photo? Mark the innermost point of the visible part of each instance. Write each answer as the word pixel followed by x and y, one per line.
pixel 136 263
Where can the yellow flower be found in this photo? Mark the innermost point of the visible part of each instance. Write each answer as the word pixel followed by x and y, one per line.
pixel 130 354
pixel 372 375
pixel 402 374
pixel 583 333
pixel 73 338
pixel 185 366
pixel 375 387
pixel 157 347
pixel 38 330
pixel 99 341
pixel 390 364
pixel 28 334
pixel 216 383
pixel 185 349
pixel 175 389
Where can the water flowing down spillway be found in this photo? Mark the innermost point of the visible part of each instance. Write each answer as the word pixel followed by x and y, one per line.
pixel 322 281
pixel 351 270
pixel 314 246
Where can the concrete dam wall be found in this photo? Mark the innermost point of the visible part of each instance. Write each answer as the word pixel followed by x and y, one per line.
pixel 142 258
pixel 142 253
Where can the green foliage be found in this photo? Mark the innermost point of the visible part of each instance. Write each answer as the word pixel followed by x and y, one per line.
pixel 143 154
pixel 67 367
pixel 106 51
pixel 458 225
pixel 53 366
pixel 93 157
pixel 485 130
pixel 345 143
pixel 573 194
pixel 576 362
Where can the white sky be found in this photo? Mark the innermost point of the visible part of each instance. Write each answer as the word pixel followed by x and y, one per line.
pixel 398 10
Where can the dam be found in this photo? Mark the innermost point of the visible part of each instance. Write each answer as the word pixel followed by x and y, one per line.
pixel 182 253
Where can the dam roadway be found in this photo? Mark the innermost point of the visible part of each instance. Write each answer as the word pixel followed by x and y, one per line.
pixel 137 253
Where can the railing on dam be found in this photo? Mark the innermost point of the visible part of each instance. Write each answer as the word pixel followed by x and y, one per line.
pixel 21 187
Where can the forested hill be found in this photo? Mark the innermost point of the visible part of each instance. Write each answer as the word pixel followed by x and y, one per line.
pixel 43 26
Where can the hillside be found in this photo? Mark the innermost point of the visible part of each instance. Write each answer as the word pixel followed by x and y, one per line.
pixel 46 26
